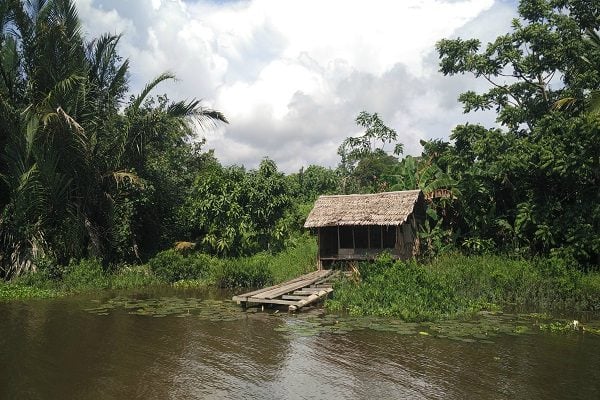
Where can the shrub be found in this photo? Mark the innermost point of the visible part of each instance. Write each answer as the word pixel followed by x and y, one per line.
pixel 300 257
pixel 172 266
pixel 86 274
pixel 132 277
pixel 244 272
pixel 40 279
pixel 400 289
pixel 455 285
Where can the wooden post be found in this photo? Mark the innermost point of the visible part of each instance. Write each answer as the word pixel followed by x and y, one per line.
pixel 338 230
pixel 416 245
pixel 368 236
pixel 319 265
pixel 381 236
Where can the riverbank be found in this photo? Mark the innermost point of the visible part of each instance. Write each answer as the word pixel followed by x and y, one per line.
pixel 170 267
pixel 455 285
pixel 450 286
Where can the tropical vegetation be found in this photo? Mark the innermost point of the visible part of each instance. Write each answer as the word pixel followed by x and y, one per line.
pixel 457 285
pixel 84 172
pixel 101 186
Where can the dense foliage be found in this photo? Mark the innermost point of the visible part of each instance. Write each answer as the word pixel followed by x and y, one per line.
pixel 235 212
pixel 94 180
pixel 531 185
pixel 84 173
pixel 456 285
pixel 169 267
pixel 534 184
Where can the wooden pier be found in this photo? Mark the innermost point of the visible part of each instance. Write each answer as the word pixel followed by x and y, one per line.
pixel 296 293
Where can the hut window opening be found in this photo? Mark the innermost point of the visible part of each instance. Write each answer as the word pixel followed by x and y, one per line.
pixel 375 237
pixel 346 237
pixel 328 240
pixel 361 237
pixel 389 237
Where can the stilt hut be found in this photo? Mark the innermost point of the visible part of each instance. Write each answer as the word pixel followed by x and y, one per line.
pixel 361 226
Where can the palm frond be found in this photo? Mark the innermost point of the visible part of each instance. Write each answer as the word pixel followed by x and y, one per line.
pixel 30 135
pixel 104 69
pixel 36 8
pixel 119 80
pixel 564 103
pixel 205 117
pixel 74 125
pixel 137 102
pixel 9 65
pixel 62 89
pixel 593 38
pixel 100 52
pixel 64 13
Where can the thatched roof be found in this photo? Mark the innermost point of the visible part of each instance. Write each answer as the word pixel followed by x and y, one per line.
pixel 389 208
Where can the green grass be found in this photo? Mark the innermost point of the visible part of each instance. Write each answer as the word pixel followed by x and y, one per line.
pixel 458 285
pixel 299 258
pixel 191 270
pixel 243 272
pixel 84 276
pixel 17 291
pixel 264 268
pixel 253 271
pixel 136 276
pixel 450 286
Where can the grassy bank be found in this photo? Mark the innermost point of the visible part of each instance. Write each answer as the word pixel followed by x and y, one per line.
pixel 457 285
pixel 85 276
pixel 448 287
pixel 168 267
pixel 258 270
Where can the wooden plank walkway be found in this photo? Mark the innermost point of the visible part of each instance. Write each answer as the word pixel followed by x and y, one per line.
pixel 295 293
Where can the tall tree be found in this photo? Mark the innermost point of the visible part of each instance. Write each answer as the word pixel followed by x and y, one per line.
pixel 364 159
pixel 231 211
pixel 532 185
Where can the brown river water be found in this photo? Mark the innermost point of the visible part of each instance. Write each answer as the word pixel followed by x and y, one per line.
pixel 79 348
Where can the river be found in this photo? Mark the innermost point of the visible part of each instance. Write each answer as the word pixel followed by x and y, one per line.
pixel 76 348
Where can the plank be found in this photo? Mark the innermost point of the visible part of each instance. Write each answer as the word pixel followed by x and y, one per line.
pixel 274 286
pixel 328 277
pixel 311 299
pixel 305 292
pixel 300 298
pixel 272 301
pixel 271 294
pixel 276 292
pixel 292 297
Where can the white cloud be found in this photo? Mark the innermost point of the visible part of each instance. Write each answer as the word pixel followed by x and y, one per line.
pixel 291 76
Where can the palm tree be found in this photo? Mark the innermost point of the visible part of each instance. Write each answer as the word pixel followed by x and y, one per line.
pixel 66 144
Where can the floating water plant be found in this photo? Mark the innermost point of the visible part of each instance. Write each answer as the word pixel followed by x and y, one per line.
pixel 483 328
pixel 213 310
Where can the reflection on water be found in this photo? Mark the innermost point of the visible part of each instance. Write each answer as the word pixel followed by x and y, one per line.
pixel 54 349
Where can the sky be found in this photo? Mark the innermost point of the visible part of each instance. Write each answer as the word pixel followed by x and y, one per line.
pixel 291 76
